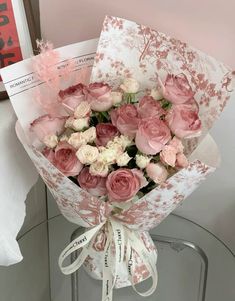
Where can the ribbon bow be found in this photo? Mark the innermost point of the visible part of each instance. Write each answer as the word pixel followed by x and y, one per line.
pixel 125 241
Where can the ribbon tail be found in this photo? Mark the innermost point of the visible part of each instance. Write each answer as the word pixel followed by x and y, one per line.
pixel 136 243
pixel 116 234
pixel 107 282
pixel 82 241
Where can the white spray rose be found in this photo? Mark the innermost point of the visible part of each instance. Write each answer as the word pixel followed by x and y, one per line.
pixel 64 138
pixel 80 124
pixel 77 140
pixel 90 134
pixel 87 154
pixel 50 141
pixel 156 94
pixel 69 122
pixel 142 161
pixel 116 97
pixel 107 155
pixel 99 168
pixel 123 159
pixel 117 147
pixel 130 85
pixel 122 140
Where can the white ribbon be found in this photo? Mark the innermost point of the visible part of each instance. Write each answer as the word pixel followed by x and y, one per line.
pixel 125 242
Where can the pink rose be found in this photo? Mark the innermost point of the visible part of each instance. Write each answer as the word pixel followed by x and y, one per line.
pixel 157 172
pixel 95 185
pixel 168 155
pixel 177 89
pixel 99 96
pixel 126 119
pixel 71 97
pixel 181 161
pixel 152 135
pixel 104 133
pixel 177 144
pixel 184 121
pixel 123 184
pixel 139 174
pixel 49 154
pixel 66 160
pixel 47 125
pixel 149 107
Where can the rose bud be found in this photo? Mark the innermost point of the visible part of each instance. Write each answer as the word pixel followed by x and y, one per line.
pixel 152 135
pixel 95 185
pixel 99 97
pixel 130 85
pixel 181 161
pixel 47 125
pixel 168 155
pixel 65 159
pixel 156 94
pixel 157 172
pixel 116 97
pixel 176 89
pixel 105 132
pixel 177 144
pixel 142 161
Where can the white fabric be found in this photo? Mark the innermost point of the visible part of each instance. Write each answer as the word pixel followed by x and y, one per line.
pixel 17 176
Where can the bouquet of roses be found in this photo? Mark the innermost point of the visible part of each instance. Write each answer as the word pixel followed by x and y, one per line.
pixel 116 146
pixel 120 143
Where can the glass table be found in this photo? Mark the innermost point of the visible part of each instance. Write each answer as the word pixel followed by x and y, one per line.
pixel 192 264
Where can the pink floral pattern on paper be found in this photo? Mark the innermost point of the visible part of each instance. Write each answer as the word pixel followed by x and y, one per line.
pixel 154 207
pixel 136 50
pixel 94 264
pixel 75 204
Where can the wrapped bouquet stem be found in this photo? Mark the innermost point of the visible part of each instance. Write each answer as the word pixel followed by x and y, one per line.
pixel 118 130
pixel 126 242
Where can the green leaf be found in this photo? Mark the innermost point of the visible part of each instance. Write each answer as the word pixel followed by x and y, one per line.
pixel 131 164
pixel 93 121
pixel 132 150
pixel 166 105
